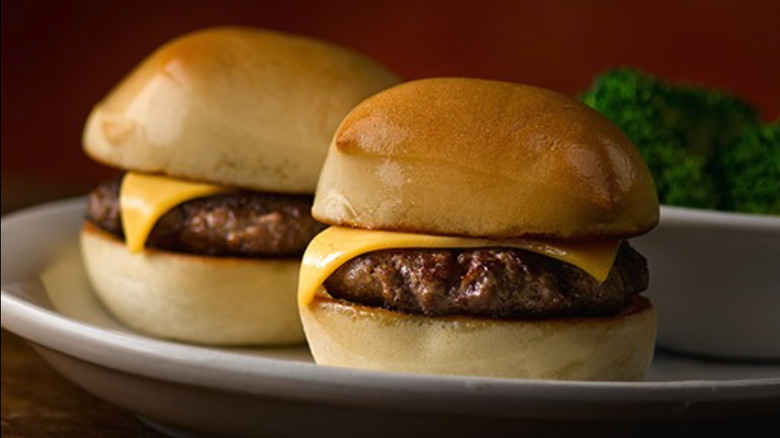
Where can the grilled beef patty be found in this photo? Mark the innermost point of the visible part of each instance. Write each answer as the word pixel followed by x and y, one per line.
pixel 492 282
pixel 238 224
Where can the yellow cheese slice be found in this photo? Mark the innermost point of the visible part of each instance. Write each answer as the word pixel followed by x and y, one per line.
pixel 144 199
pixel 336 245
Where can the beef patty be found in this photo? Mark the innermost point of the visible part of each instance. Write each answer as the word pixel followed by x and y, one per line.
pixel 493 282
pixel 237 224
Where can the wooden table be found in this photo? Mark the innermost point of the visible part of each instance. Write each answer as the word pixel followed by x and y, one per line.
pixel 38 402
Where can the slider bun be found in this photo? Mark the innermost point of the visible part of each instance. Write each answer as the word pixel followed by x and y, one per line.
pixel 207 300
pixel 350 335
pixel 234 106
pixel 484 158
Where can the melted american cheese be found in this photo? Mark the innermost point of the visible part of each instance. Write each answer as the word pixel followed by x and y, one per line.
pixel 144 199
pixel 336 245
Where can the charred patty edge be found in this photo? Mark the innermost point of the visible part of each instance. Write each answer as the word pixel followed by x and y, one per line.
pixel 240 223
pixel 492 282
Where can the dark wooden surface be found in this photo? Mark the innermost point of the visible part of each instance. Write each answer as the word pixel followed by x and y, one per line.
pixel 39 403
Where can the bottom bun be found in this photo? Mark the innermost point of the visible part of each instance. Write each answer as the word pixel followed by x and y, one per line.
pixel 200 299
pixel 345 334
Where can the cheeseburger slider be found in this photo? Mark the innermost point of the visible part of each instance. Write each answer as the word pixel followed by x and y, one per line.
pixel 221 134
pixel 479 228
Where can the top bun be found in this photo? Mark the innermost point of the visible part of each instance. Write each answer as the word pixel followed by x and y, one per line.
pixel 484 158
pixel 235 106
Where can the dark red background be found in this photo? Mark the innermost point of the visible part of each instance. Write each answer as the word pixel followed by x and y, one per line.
pixel 60 57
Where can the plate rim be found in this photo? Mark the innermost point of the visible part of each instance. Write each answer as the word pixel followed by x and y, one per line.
pixel 721 219
pixel 274 377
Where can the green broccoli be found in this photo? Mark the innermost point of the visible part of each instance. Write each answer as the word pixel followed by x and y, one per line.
pixel 678 128
pixel 705 118
pixel 747 170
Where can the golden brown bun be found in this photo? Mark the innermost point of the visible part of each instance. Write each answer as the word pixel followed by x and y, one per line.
pixel 235 106
pixel 484 158
pixel 350 335
pixel 207 300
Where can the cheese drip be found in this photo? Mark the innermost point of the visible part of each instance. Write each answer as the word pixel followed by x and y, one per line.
pixel 336 245
pixel 144 199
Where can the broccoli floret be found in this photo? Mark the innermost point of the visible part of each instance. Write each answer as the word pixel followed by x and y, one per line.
pixel 680 176
pixel 748 170
pixel 676 127
pixel 705 118
pixel 636 103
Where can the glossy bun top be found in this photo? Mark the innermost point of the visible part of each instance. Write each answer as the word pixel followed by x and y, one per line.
pixel 475 157
pixel 236 106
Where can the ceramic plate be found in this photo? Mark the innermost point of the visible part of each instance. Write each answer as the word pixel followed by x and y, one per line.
pixel 196 391
pixel 715 282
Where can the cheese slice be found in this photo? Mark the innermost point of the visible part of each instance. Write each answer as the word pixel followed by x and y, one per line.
pixel 336 245
pixel 144 199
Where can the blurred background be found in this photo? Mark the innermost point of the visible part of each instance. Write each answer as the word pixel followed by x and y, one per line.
pixel 60 57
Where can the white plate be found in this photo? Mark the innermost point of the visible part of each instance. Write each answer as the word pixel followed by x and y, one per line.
pixel 253 392
pixel 715 282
